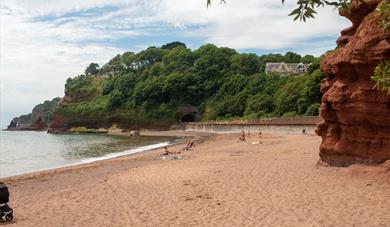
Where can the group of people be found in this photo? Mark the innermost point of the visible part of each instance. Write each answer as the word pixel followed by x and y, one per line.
pixel 190 144
pixel 243 137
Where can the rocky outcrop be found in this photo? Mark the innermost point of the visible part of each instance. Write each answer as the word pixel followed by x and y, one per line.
pixel 356 117
pixel 58 123
pixel 39 119
pixel 23 122
pixel 41 114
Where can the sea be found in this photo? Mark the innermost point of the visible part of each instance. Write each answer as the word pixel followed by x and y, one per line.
pixel 30 151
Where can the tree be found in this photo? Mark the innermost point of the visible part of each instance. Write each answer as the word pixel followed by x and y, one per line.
pixel 246 64
pixel 259 104
pixel 307 59
pixel 292 57
pixel 149 56
pixel 178 59
pixel 92 69
pixel 115 65
pixel 170 46
pixel 116 99
pixel 128 59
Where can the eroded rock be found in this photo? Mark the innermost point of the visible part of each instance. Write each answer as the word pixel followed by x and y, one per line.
pixel 356 117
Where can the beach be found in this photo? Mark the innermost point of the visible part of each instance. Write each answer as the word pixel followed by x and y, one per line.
pixel 220 182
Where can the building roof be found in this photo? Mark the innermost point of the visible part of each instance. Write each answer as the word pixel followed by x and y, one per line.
pixel 285 68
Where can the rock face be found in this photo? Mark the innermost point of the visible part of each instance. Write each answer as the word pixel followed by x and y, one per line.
pixel 23 122
pixel 42 114
pixel 356 117
pixel 38 119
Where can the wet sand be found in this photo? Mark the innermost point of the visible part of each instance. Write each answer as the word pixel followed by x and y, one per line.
pixel 220 182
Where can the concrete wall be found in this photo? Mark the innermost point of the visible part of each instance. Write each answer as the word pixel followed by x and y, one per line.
pixel 275 125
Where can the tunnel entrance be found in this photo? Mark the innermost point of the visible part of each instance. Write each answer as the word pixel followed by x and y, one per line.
pixel 188 118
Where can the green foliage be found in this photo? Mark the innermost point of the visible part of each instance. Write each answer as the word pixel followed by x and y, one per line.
pixel 287 96
pixel 306 9
pixel 384 12
pixel 178 59
pixel 82 87
pixel 259 104
pixel 150 86
pixel 95 107
pixel 92 69
pixel 310 91
pixel 313 109
pixel 41 113
pixel 246 64
pixel 382 77
pixel 308 59
pixel 290 114
pixel 172 45
pixel 292 57
pixel 116 98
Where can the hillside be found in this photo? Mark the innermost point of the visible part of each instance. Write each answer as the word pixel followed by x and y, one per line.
pixel 164 85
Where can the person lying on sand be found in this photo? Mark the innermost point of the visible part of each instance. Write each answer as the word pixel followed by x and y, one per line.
pixel 167 152
pixel 167 155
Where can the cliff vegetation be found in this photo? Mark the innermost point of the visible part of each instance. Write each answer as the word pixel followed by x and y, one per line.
pixel 149 87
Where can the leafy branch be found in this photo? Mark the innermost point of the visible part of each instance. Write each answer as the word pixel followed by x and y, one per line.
pixel 306 8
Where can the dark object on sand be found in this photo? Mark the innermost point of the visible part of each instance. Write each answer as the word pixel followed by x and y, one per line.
pixel 4 194
pixel 6 212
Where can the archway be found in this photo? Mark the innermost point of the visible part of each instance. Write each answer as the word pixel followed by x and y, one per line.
pixel 188 118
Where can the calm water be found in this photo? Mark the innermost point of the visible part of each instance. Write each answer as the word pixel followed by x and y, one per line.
pixel 26 151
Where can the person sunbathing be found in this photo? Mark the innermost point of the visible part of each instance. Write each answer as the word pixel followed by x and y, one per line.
pixel 167 152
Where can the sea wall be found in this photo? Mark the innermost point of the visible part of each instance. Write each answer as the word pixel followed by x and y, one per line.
pixel 292 125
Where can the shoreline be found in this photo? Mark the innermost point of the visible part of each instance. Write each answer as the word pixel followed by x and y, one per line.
pixel 220 182
pixel 181 136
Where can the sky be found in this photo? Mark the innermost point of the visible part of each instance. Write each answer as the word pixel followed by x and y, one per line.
pixel 44 42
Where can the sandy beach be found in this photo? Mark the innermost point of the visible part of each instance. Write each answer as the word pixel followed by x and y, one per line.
pixel 220 182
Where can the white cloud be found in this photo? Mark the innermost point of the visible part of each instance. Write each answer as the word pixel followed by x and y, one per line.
pixel 43 41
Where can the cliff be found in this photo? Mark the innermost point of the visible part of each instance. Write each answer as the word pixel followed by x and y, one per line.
pixel 39 118
pixel 356 117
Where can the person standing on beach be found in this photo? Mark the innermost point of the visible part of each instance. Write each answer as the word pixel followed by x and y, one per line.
pixel 260 136
pixel 242 138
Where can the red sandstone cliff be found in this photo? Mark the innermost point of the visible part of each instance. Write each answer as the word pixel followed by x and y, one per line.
pixel 356 125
